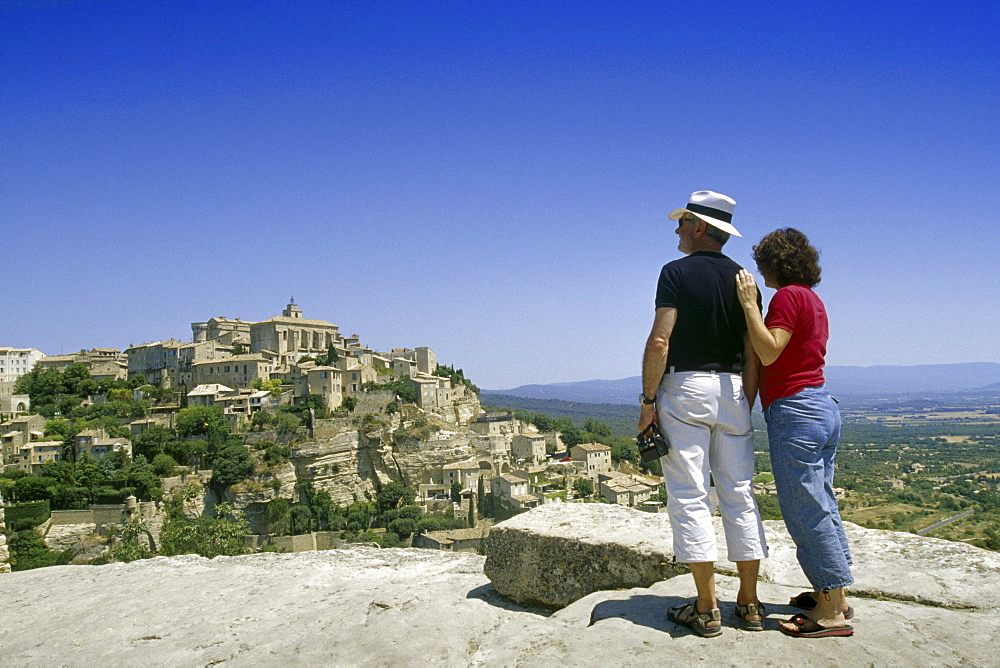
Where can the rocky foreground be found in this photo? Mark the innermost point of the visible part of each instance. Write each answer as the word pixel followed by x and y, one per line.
pixel 936 604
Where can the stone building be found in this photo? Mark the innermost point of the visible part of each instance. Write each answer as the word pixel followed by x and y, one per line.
pixel 97 443
pixel 465 474
pixel 18 432
pixel 595 457
pixel 426 360
pixel 234 371
pixel 16 362
pixel 624 489
pixel 326 381
pixel 528 448
pixel 290 336
pixel 158 362
pixel 102 363
pixel 224 331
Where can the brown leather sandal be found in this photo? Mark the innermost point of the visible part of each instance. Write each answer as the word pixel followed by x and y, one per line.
pixel 697 621
pixel 751 610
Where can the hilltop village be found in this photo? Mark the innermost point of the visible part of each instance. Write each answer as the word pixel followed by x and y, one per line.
pixel 298 436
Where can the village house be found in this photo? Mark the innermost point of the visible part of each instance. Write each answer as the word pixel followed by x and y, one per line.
pixel 402 366
pixel 96 443
pixel 326 381
pixel 33 455
pixel 235 371
pixel 624 489
pixel 595 457
pixel 224 331
pixel 17 432
pixel 10 403
pixel 355 377
pixel 291 336
pixel 496 424
pixel 513 489
pixel 102 363
pixel 465 474
pixel 528 449
pixel 456 540
pixel 165 420
pixel 16 362
pixel 157 362
pixel 193 353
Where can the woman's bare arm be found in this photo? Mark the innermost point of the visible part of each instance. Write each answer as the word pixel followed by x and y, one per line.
pixel 767 343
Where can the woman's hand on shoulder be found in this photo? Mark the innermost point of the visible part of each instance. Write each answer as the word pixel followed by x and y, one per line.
pixel 746 290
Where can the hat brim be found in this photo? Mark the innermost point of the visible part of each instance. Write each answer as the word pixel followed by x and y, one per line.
pixel 714 222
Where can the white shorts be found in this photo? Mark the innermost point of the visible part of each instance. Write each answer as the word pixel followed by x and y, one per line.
pixel 707 420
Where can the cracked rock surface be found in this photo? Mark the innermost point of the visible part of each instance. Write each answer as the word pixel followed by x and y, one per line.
pixel 364 606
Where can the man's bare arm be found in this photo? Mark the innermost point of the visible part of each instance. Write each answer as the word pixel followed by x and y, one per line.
pixel 654 360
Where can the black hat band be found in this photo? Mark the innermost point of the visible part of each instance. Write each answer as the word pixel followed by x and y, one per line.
pixel 709 211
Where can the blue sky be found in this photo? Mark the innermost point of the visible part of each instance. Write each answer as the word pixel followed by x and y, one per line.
pixel 491 179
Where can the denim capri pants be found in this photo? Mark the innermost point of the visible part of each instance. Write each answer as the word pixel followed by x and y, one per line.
pixel 803 431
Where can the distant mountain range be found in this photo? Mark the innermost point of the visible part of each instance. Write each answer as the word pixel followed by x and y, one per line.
pixel 844 381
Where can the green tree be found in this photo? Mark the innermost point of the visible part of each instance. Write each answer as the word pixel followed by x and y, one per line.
pixel 583 487
pixel 393 495
pixel 28 551
pixel 402 527
pixel 233 464
pixel 481 496
pixel 456 492
pixel 154 440
pixel 133 542
pixel 202 421
pixel 164 465
pixel 224 534
pixel 301 519
pixel 286 423
pixel 349 404
pixel 277 516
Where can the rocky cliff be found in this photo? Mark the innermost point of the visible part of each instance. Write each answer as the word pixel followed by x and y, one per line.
pixel 919 601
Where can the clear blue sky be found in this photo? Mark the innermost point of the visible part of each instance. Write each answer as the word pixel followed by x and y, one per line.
pixel 491 179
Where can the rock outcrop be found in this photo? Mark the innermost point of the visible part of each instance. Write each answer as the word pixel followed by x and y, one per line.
pixel 364 606
pixel 559 553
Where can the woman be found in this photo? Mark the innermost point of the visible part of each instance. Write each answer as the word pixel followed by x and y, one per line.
pixel 803 424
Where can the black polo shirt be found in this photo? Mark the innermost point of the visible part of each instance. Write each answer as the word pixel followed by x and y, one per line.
pixel 708 334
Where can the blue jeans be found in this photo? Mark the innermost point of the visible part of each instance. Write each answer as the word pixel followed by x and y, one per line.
pixel 803 431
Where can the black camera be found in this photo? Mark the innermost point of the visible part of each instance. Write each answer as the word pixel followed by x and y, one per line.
pixel 652 443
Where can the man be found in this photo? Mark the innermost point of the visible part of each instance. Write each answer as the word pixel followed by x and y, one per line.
pixel 699 380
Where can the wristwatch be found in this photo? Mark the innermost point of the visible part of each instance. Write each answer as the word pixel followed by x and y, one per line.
pixel 643 399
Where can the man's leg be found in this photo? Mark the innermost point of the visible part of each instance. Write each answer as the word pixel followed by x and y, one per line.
pixel 704 582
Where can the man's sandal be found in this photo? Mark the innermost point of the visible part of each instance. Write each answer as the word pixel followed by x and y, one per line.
pixel 807 601
pixel 697 621
pixel 751 610
pixel 807 628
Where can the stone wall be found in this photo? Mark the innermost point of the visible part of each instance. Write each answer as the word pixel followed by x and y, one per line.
pixel 59 517
pixel 373 402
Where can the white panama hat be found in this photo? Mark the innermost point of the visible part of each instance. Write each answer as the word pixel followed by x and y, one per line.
pixel 711 207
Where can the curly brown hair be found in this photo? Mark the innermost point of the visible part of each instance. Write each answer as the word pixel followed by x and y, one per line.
pixel 788 257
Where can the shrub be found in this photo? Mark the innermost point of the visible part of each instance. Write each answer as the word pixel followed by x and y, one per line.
pixel 164 465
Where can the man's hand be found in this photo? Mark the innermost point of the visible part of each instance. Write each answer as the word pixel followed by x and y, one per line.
pixel 746 290
pixel 647 415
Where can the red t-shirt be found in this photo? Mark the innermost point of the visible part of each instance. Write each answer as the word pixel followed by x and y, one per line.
pixel 797 309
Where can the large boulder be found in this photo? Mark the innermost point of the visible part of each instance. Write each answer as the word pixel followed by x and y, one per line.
pixel 558 553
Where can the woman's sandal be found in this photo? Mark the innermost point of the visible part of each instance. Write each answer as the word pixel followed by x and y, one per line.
pixel 697 621
pixel 807 628
pixel 751 610
pixel 807 601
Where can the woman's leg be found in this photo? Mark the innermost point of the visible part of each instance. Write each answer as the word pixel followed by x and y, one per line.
pixel 799 431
